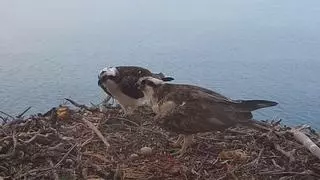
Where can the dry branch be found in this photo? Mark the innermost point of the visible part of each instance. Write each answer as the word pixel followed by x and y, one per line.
pixel 7 114
pixel 306 141
pixel 306 172
pixel 25 111
pixel 4 120
pixel 276 165
pixel 65 156
pixel 289 154
pixel 91 109
pixel 99 134
pixel 54 172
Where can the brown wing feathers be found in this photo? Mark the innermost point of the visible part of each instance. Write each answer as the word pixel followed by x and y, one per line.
pixel 199 111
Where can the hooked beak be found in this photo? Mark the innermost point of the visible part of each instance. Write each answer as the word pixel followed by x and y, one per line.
pixel 99 83
pixel 101 78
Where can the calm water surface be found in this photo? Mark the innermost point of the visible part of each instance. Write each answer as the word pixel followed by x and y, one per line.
pixel 252 49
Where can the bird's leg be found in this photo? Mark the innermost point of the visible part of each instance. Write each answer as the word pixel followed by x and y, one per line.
pixel 129 111
pixel 178 142
pixel 186 143
pixel 126 110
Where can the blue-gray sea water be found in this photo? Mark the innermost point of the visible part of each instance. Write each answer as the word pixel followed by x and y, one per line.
pixel 249 49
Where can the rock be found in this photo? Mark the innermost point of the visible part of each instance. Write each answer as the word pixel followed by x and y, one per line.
pixel 69 162
pixel 134 156
pixel 146 150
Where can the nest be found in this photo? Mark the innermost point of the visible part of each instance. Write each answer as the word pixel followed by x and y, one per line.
pixel 84 143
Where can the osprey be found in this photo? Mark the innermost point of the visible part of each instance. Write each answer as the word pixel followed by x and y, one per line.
pixel 121 84
pixel 188 109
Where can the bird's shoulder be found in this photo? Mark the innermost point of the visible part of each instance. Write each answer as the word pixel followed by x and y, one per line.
pixel 185 93
pixel 129 87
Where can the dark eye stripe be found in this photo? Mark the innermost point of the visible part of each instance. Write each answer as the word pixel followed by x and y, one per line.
pixel 112 77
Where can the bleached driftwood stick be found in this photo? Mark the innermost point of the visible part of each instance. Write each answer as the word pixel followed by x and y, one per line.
pixel 306 141
pixel 99 134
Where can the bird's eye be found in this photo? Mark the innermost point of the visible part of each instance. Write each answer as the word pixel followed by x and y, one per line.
pixel 143 82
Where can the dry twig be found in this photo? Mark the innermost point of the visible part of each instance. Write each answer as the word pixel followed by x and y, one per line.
pixel 7 114
pixel 25 111
pixel 91 109
pixel 99 134
pixel 65 156
pixel 54 172
pixel 289 154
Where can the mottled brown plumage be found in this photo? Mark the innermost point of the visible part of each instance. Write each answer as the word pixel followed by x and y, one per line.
pixel 188 109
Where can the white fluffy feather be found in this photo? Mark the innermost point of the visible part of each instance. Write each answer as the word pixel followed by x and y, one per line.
pixel 109 71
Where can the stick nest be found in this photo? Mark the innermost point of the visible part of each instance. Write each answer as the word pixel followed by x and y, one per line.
pixel 62 144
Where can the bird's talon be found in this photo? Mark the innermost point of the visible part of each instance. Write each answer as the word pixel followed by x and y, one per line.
pixel 178 142
pixel 175 144
pixel 178 153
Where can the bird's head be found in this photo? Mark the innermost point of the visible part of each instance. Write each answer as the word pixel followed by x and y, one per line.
pixel 148 85
pixel 106 74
